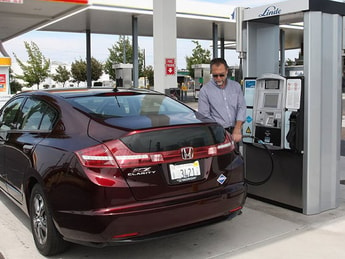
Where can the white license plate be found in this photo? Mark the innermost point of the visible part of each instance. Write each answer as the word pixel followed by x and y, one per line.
pixel 185 172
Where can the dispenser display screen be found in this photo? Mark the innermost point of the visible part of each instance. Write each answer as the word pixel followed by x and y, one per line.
pixel 272 84
pixel 271 100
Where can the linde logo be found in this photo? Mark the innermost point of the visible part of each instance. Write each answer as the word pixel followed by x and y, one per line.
pixel 271 10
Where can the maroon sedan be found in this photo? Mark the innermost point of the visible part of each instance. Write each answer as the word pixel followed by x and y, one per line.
pixel 100 166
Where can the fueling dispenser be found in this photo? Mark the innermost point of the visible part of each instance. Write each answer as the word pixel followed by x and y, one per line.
pixel 123 75
pixel 301 170
pixel 269 115
pixel 202 75
pixel 275 112
pixel 273 143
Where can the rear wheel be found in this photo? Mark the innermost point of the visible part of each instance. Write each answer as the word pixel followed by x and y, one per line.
pixel 47 239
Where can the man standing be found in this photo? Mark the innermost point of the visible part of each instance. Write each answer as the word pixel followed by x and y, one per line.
pixel 222 100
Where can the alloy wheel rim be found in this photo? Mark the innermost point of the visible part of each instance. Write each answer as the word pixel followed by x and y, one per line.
pixel 39 219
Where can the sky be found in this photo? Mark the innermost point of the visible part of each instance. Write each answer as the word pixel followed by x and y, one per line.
pixel 74 44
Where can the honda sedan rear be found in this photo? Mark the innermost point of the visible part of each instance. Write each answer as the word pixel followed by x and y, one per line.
pixel 101 166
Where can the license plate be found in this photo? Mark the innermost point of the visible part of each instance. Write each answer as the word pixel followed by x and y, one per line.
pixel 185 172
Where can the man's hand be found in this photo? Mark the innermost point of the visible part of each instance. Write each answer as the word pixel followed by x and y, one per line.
pixel 236 134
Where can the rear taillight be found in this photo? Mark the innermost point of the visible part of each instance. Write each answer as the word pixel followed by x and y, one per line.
pixel 97 156
pixel 116 154
pixel 100 166
pixel 235 209
pixel 127 235
pixel 227 146
pixel 127 158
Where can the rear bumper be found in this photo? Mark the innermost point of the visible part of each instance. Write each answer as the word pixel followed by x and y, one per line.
pixel 105 227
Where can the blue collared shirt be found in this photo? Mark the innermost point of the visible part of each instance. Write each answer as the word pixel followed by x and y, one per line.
pixel 223 105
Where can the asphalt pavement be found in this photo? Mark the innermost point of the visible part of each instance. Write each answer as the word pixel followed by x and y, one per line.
pixel 262 231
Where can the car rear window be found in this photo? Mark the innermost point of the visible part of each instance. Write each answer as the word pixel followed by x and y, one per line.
pixel 128 105
pixel 172 139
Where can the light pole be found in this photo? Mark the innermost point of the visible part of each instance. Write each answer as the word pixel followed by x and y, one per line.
pixel 144 65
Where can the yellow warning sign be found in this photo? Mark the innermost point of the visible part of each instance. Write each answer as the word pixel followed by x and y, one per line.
pixel 248 131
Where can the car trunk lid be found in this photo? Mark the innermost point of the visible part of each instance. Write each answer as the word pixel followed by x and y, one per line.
pixel 171 161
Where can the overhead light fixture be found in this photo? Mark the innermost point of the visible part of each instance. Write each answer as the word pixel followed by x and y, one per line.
pixel 121 9
pixel 296 25
pixel 204 17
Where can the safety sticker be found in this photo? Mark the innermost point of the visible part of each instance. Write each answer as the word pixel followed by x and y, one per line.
pixel 249 119
pixel 248 131
pixel 221 179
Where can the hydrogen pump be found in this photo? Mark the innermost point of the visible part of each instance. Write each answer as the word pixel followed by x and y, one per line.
pixel 273 142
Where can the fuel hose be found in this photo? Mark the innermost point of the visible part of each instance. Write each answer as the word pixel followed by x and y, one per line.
pixel 261 143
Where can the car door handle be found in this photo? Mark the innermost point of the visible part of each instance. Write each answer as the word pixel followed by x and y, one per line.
pixel 27 148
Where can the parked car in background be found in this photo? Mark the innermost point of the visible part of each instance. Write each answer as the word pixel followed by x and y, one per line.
pixel 101 166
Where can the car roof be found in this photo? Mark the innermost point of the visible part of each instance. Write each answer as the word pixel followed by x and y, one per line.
pixel 79 92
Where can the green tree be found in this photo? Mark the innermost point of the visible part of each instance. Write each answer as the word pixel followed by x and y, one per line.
pixel 149 74
pixel 62 75
pixel 36 69
pixel 79 70
pixel 14 84
pixel 199 56
pixel 97 69
pixel 122 52
pixel 289 62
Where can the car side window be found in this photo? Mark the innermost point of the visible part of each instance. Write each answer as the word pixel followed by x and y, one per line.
pixel 10 113
pixel 48 119
pixel 37 115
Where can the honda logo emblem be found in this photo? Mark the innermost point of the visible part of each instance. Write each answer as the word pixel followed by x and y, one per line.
pixel 187 153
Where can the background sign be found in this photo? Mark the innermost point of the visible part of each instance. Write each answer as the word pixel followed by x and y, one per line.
pixel 3 83
pixel 170 66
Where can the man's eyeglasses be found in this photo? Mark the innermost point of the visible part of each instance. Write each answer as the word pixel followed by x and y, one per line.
pixel 218 75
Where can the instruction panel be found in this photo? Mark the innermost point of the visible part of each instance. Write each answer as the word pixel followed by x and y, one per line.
pixel 293 93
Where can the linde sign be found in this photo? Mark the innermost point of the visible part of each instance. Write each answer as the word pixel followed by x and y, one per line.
pixel 270 11
pixel 281 8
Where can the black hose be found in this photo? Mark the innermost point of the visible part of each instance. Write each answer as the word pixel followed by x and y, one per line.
pixel 272 163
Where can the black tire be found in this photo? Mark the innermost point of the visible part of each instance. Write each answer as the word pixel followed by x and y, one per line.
pixel 47 239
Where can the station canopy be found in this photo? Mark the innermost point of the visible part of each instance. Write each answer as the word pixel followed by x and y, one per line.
pixel 193 20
